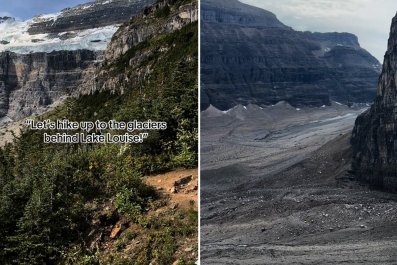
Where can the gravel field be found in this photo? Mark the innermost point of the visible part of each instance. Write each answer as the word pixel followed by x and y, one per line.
pixel 276 189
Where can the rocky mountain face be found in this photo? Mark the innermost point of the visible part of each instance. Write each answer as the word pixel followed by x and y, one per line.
pixel 123 66
pixel 90 15
pixel 47 57
pixel 374 136
pixel 30 82
pixel 249 56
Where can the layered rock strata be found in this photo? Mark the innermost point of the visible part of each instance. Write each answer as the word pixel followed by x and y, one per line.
pixel 29 82
pixel 249 56
pixel 374 136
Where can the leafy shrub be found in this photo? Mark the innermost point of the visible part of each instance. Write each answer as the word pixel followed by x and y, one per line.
pixel 128 203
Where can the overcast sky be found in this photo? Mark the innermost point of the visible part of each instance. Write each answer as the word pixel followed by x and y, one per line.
pixel 24 9
pixel 368 19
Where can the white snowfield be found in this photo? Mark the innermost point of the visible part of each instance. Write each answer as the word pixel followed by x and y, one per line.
pixel 14 37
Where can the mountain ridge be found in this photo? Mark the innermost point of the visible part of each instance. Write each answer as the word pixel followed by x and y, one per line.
pixel 88 15
pixel 245 63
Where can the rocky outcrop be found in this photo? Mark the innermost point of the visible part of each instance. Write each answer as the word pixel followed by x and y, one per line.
pixel 30 82
pixel 4 19
pixel 249 56
pixel 374 138
pixel 163 17
pixel 88 16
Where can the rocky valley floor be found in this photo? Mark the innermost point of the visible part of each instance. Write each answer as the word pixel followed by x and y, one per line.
pixel 276 190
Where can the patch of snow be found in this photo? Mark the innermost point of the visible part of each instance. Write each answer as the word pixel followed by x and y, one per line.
pixel 245 107
pixel 298 109
pixel 227 111
pixel 338 103
pixel 323 106
pixel 377 67
pixel 327 49
pixel 87 6
pixel 46 17
pixel 338 117
pixel 334 118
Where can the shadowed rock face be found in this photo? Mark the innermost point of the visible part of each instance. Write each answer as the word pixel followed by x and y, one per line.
pixel 90 15
pixel 374 136
pixel 248 56
pixel 32 81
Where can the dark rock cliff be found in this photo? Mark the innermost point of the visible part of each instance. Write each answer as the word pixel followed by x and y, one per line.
pixel 248 56
pixel 29 82
pixel 374 137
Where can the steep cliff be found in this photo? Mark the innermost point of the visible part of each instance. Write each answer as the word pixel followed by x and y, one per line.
pixel 126 59
pixel 374 136
pixel 30 82
pixel 46 58
pixel 248 56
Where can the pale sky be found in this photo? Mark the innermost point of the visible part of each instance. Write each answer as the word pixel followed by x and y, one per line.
pixel 368 19
pixel 25 9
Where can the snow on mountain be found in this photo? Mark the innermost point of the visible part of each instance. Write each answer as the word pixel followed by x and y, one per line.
pixel 86 26
pixel 14 37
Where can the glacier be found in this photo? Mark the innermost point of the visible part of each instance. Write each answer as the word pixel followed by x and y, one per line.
pixel 14 37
